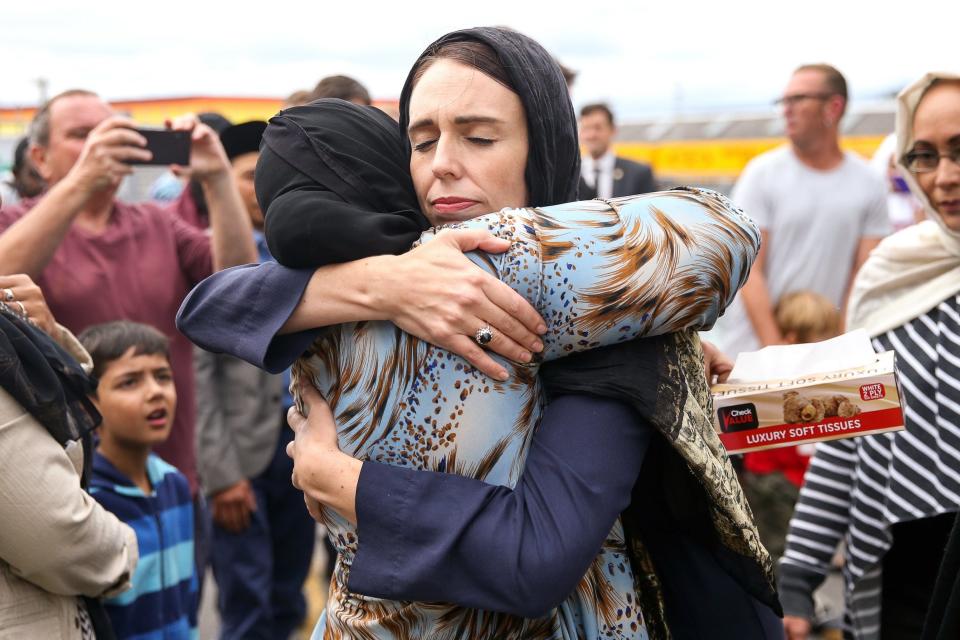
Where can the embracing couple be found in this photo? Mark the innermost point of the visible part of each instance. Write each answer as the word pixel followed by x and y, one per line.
pixel 516 442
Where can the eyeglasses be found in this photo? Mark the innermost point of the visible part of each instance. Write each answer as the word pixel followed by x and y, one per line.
pixel 789 101
pixel 925 161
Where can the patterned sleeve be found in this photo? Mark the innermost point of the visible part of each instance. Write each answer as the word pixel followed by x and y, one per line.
pixel 602 272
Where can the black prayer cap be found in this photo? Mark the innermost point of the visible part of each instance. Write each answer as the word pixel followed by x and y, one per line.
pixel 242 138
pixel 553 163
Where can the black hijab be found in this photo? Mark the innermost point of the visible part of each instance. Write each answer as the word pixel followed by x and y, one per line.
pixel 333 178
pixel 47 381
pixel 334 183
pixel 553 164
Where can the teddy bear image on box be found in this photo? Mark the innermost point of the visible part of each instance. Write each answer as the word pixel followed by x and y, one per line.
pixel 797 408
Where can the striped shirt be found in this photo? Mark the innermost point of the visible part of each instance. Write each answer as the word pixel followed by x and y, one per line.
pixel 162 603
pixel 856 489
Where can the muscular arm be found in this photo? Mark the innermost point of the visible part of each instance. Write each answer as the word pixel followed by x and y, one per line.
pixel 756 299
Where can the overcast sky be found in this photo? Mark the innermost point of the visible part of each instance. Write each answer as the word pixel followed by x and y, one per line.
pixel 643 57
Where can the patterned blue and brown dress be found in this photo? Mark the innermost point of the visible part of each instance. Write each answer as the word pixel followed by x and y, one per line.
pixel 600 273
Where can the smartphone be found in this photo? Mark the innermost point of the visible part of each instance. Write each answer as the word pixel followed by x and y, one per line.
pixel 167 147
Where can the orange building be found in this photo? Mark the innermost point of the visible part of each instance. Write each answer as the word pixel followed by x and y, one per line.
pixel 152 112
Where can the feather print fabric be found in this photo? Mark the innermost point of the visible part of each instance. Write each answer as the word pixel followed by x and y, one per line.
pixel 599 272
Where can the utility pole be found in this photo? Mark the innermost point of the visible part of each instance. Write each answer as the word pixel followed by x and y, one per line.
pixel 42 85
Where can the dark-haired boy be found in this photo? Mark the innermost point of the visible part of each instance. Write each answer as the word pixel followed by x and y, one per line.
pixel 137 399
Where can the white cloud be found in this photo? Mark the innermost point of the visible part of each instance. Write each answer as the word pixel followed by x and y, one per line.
pixel 641 56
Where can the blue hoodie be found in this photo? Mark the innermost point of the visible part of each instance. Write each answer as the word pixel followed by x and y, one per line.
pixel 162 603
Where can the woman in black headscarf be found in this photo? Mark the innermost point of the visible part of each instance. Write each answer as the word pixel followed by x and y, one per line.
pixel 614 372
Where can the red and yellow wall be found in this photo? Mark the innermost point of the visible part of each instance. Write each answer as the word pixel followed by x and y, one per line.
pixel 717 160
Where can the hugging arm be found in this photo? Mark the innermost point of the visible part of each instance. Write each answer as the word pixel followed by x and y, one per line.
pixel 427 536
pixel 431 536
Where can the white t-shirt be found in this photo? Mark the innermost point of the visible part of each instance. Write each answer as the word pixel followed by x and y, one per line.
pixel 815 220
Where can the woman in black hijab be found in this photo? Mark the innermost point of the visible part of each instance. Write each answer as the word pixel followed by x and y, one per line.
pixel 551 171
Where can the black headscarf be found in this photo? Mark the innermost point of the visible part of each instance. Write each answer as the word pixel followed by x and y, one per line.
pixel 553 164
pixel 334 182
pixel 46 380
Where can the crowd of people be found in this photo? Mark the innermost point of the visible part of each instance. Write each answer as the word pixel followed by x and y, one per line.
pixel 505 427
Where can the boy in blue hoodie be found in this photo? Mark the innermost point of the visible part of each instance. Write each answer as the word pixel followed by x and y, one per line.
pixel 136 397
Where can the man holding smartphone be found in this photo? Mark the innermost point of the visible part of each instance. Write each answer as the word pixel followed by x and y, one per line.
pixel 98 259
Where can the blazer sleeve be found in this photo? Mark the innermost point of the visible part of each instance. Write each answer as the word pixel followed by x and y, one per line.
pixel 239 311
pixel 217 455
pixel 54 534
pixel 440 537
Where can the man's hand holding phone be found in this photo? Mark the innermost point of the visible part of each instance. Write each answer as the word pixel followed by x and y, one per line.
pixel 107 155
pixel 207 158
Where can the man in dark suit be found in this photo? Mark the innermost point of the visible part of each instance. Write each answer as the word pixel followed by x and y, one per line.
pixel 603 174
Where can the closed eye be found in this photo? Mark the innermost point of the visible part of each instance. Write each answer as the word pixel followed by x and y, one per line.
pixel 483 142
pixel 423 146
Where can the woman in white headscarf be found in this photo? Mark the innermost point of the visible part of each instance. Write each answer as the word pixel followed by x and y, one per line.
pixel 893 497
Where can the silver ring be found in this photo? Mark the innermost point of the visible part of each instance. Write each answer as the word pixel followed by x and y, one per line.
pixel 484 335
pixel 8 295
pixel 23 309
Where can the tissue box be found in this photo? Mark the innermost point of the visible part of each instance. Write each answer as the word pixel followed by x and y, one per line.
pixel 822 406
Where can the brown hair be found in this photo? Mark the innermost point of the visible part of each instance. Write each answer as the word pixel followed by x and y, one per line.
pixel 476 55
pixel 808 316
pixel 109 341
pixel 297 98
pixel 836 83
pixel 40 126
pixel 598 107
pixel 343 87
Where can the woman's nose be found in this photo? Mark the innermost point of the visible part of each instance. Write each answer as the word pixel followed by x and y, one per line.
pixel 446 160
pixel 948 172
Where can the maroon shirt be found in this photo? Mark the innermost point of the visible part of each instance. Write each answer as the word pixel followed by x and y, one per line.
pixel 139 268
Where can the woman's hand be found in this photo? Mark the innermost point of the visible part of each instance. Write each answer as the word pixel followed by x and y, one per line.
pixel 323 472
pixel 716 364
pixel 25 298
pixel 437 294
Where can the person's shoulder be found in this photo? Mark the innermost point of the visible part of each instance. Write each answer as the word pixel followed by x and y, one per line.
pixel 163 473
pixel 854 166
pixel 10 213
pixel 773 160
pixel 10 409
pixel 627 163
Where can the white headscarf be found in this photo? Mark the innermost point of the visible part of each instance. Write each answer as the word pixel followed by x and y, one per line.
pixel 915 269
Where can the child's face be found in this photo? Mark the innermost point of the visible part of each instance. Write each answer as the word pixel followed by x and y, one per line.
pixel 137 399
